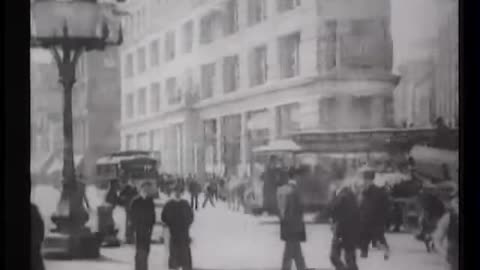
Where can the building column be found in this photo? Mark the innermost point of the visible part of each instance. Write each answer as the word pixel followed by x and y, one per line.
pixel 244 142
pixel 309 115
pixel 219 140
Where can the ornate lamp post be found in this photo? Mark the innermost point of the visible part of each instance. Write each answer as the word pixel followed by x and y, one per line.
pixel 68 28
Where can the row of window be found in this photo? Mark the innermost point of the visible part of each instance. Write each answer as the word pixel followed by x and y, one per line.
pixel 212 26
pixel 230 66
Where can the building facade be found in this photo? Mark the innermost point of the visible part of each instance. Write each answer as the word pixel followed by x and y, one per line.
pixel 96 113
pixel 208 81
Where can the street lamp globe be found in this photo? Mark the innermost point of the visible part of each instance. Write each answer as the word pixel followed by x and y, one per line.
pixel 68 28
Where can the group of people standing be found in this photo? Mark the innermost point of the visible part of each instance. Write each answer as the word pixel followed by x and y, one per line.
pixel 177 216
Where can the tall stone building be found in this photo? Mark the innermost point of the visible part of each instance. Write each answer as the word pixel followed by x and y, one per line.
pixel 205 82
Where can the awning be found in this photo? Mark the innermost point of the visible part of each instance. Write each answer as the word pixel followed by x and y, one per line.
pixel 279 146
pixel 57 165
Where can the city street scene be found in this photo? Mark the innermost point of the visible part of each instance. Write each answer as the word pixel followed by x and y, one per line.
pixel 244 134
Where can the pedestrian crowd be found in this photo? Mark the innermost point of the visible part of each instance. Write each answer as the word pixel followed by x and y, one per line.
pixel 358 211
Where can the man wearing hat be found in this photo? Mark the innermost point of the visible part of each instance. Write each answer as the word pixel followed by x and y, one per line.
pixel 178 217
pixel 374 206
pixel 292 225
pixel 142 212
pixel 345 216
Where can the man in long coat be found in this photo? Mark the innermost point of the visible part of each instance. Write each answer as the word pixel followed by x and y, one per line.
pixel 345 214
pixel 177 215
pixel 292 225
pixel 143 219
pixel 374 206
pixel 37 237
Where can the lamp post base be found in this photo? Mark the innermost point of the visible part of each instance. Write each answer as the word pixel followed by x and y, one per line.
pixel 81 244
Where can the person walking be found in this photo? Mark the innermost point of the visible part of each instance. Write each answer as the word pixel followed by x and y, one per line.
pixel 37 227
pixel 105 215
pixel 374 206
pixel 344 212
pixel 126 196
pixel 209 195
pixel 177 215
pixel 432 210
pixel 292 225
pixel 143 219
pixel 447 231
pixel 194 189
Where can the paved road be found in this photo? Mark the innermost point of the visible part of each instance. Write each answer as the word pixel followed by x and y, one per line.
pixel 228 240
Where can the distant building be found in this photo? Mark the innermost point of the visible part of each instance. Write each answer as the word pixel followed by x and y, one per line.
pixel 205 82
pixel 96 113
pixel 445 96
pixel 428 87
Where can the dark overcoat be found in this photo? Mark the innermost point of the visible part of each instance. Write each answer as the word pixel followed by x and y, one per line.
pixel 292 225
pixel 345 214
pixel 374 209
pixel 143 219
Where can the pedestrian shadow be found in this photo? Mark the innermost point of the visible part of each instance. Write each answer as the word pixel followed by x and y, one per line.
pixel 101 259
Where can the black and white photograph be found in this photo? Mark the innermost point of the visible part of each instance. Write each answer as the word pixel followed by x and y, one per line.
pixel 244 135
